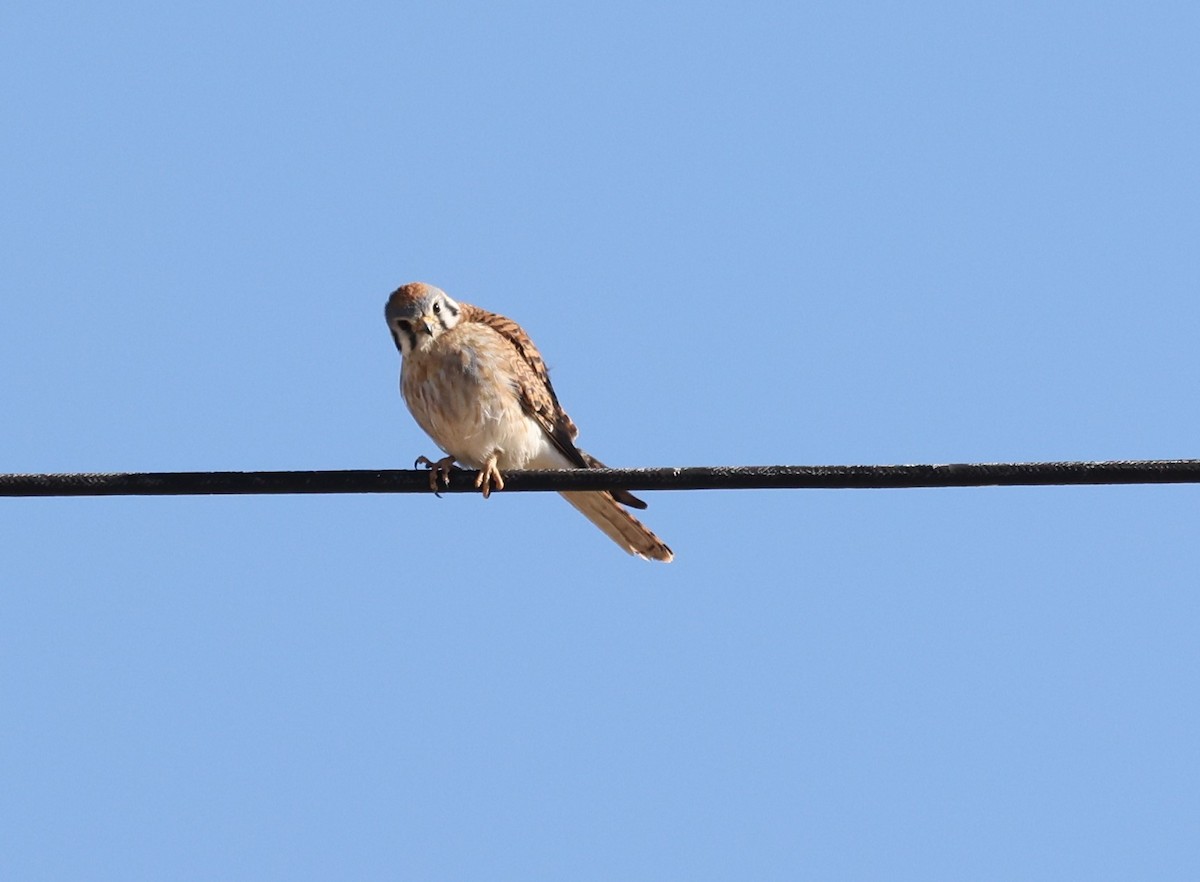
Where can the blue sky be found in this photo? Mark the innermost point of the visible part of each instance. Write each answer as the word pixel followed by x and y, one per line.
pixel 834 233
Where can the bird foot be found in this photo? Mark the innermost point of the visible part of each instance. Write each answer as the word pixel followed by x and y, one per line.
pixel 489 478
pixel 439 472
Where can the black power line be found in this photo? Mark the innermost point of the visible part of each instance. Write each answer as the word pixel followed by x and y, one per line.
pixel 1152 471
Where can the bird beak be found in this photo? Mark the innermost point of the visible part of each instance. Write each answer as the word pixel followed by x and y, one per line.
pixel 426 322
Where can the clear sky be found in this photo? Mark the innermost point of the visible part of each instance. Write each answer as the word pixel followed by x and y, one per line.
pixel 740 234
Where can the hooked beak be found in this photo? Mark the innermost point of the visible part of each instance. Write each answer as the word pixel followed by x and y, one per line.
pixel 426 324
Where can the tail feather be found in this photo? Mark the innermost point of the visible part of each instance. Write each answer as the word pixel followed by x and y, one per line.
pixel 622 496
pixel 602 509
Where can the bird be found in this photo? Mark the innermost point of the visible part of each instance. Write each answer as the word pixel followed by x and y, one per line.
pixel 476 384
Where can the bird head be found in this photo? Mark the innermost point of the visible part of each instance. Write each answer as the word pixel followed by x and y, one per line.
pixel 417 314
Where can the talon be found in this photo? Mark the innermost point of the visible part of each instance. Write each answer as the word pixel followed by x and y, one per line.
pixel 489 478
pixel 439 472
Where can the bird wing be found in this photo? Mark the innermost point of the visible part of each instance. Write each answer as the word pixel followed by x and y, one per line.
pixel 537 395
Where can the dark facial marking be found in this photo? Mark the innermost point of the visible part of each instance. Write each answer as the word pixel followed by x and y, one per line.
pixel 437 310
pixel 403 327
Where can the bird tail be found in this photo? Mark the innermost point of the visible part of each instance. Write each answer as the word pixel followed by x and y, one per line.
pixel 620 526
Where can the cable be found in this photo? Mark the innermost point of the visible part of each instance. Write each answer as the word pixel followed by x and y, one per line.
pixel 1155 471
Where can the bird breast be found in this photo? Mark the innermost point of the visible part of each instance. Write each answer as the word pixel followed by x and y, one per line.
pixel 463 391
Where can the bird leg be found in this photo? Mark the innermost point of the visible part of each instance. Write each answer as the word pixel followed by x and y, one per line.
pixel 439 472
pixel 489 477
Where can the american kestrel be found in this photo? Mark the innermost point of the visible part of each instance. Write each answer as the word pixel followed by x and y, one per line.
pixel 477 385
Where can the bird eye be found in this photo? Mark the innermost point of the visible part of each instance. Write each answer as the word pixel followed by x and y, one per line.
pixel 437 307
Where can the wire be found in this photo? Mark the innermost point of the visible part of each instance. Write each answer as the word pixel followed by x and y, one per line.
pixel 1154 471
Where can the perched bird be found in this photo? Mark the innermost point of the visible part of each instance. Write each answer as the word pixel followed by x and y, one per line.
pixel 477 385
